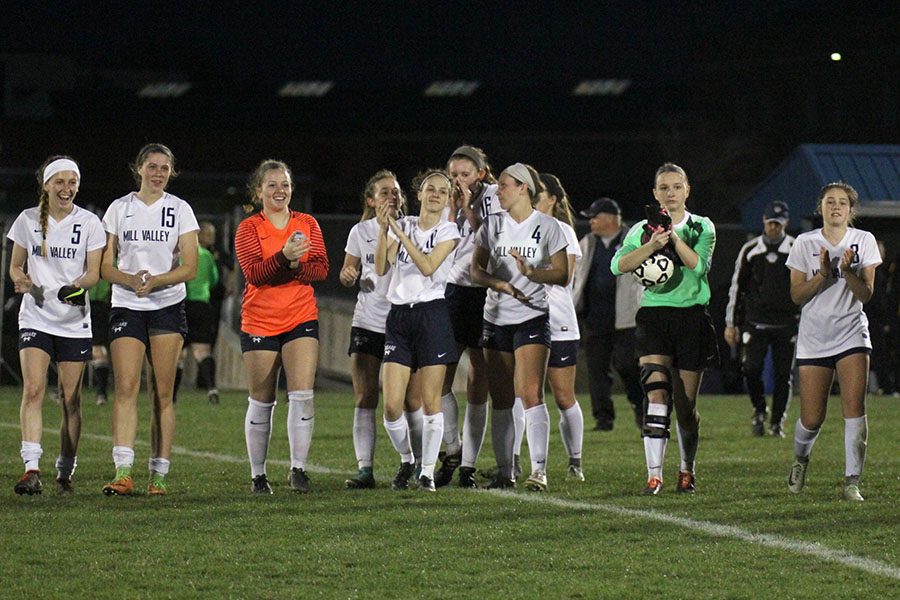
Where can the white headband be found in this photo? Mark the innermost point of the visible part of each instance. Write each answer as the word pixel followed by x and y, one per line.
pixel 59 165
pixel 520 173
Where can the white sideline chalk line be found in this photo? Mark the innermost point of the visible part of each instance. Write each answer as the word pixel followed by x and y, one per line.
pixel 813 549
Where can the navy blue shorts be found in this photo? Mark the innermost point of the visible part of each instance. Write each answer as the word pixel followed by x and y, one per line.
pixel 60 349
pixel 831 362
pixel 563 354
pixel 201 322
pixel 419 335
pixel 143 324
pixel 685 334
pixel 364 341
pixel 466 309
pixel 508 338
pixel 274 343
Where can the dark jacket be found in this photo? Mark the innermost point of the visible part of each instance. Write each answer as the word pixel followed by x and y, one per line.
pixel 761 285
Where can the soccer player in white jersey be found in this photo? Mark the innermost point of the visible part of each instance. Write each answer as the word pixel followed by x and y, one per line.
pixel 474 197
pixel 518 254
pixel 415 250
pixel 832 276
pixel 367 329
pixel 55 256
pixel 151 250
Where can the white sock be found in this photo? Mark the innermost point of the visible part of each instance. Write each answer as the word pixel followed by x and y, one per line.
pixel 856 434
pixel 518 412
pixel 31 455
pixel 474 428
pixel 655 448
pixel 301 419
pixel 364 436
pixel 158 465
pixel 537 427
pixel 450 409
pixel 398 431
pixel 687 447
pixel 65 466
pixel 123 456
pixel 571 428
pixel 258 431
pixel 414 420
pixel 503 433
pixel 803 440
pixel 432 431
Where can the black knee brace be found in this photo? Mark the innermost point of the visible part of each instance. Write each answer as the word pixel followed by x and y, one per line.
pixel 656 426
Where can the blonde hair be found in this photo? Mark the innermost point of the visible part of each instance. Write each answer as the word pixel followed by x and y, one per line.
pixel 670 168
pixel 255 181
pixel 369 192
pixel 44 200
pixel 852 196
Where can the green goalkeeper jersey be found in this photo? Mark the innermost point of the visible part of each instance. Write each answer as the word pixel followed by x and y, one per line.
pixel 207 276
pixel 687 287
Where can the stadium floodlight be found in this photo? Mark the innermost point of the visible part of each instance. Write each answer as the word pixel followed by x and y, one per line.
pixel 452 88
pixel 305 89
pixel 165 89
pixel 602 87
pixel 836 56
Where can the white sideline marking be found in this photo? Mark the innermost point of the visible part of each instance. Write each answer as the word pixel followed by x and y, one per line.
pixel 813 549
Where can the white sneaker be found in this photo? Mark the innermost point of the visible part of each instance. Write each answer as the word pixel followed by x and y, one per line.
pixel 797 477
pixel 537 481
pixel 851 493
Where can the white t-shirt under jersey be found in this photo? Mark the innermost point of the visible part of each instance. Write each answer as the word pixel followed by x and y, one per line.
pixel 563 322
pixel 407 283
pixel 832 321
pixel 68 243
pixel 148 240
pixel 372 305
pixel 460 272
pixel 537 238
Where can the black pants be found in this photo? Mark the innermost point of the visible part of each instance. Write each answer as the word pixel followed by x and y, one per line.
pixel 615 348
pixel 782 341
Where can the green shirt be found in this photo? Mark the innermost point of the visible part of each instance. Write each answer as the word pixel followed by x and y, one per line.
pixel 100 291
pixel 687 287
pixel 206 279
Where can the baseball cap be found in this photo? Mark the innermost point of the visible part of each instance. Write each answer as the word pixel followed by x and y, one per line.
pixel 777 211
pixel 603 205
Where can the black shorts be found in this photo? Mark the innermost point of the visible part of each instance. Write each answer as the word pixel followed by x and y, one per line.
pixel 419 335
pixel 144 324
pixel 685 334
pixel 508 338
pixel 100 322
pixel 201 320
pixel 364 341
pixel 563 354
pixel 274 343
pixel 466 309
pixel 60 349
pixel 831 362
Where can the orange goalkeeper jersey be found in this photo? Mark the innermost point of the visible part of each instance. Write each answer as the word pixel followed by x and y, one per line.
pixel 276 297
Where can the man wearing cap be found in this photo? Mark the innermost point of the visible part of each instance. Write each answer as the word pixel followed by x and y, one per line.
pixel 606 305
pixel 761 315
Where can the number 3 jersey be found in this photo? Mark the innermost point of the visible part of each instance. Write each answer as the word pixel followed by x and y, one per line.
pixel 148 241
pixel 536 239
pixel 68 243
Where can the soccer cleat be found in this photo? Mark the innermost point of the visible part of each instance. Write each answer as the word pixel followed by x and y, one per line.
pixel 364 480
pixel 29 483
pixel 467 478
pixel 797 477
pixel 260 485
pixel 851 492
pixel 299 480
pixel 603 425
pixel 537 481
pixel 776 430
pixel 213 396
pixel 654 486
pixel 401 479
pixel 575 472
pixel 426 484
pixel 157 485
pixel 502 483
pixel 122 485
pixel 685 483
pixel 101 400
pixel 64 486
pixel 449 464
pixel 758 424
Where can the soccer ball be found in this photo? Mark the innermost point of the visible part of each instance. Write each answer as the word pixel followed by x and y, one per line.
pixel 655 271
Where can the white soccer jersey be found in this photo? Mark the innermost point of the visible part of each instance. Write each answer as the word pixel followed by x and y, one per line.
pixel 537 238
pixel 68 243
pixel 460 273
pixel 372 305
pixel 407 283
pixel 148 240
pixel 833 321
pixel 563 322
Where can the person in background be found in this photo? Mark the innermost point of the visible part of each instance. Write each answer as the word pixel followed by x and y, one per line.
pixel 99 295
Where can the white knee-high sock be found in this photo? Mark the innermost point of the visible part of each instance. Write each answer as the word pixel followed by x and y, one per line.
pixel 258 431
pixel 31 455
pixel 364 436
pixel 432 432
pixel 571 428
pixel 158 465
pixel 537 427
pixel 503 433
pixel 398 431
pixel 123 456
pixel 415 419
pixel 450 409
pixel 474 428
pixel 803 440
pixel 856 435
pixel 687 446
pixel 518 412
pixel 301 420
pixel 655 448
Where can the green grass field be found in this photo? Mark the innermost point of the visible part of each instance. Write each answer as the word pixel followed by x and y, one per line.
pixel 741 536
